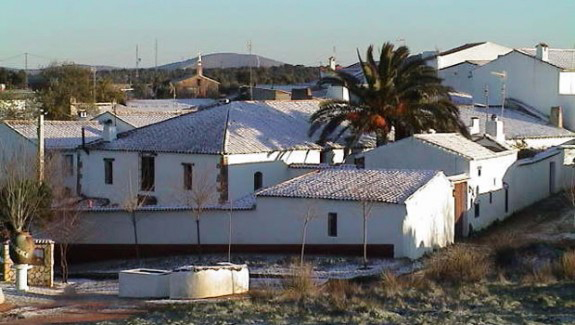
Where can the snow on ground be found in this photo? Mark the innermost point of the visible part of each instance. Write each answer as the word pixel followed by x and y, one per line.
pixel 325 267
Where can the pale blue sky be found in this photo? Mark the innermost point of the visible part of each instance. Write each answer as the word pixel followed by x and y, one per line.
pixel 299 32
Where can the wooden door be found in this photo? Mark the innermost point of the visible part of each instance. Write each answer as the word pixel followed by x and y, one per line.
pixel 460 201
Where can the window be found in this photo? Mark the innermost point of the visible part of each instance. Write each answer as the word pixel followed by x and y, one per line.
pixel 506 186
pixel 258 181
pixel 360 162
pixel 477 209
pixel 109 170
pixel 490 197
pixel 478 171
pixel 148 175
pixel 332 224
pixel 188 176
pixel 68 165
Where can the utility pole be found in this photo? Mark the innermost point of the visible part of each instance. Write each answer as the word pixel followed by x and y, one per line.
pixel 156 56
pixel 26 69
pixel 486 93
pixel 251 74
pixel 41 146
pixel 137 63
pixel 94 83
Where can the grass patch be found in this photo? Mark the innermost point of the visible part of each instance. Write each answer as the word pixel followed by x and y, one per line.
pixel 458 264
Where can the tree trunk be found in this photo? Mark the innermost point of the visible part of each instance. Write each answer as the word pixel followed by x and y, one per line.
pixel 364 237
pixel 198 235
pixel 136 242
pixel 64 262
pixel 303 235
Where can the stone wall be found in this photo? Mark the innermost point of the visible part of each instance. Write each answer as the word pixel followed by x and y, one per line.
pixel 42 271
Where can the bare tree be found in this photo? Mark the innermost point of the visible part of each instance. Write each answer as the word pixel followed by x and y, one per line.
pixel 310 214
pixel 131 205
pixel 22 196
pixel 201 193
pixel 366 212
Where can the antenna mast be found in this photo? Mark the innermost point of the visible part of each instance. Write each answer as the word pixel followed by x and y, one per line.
pixel 251 74
pixel 156 56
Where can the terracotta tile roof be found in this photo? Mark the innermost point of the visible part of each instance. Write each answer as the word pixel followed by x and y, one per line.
pixel 58 134
pixel 376 185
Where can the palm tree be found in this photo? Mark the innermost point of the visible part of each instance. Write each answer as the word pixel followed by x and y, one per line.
pixel 399 92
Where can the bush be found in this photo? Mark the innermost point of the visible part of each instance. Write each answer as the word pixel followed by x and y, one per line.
pixel 540 275
pixel 301 284
pixel 567 265
pixel 458 264
pixel 340 292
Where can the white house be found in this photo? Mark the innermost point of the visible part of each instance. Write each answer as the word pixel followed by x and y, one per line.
pixel 541 78
pixel 477 169
pixel 407 212
pixel 62 138
pixel 240 147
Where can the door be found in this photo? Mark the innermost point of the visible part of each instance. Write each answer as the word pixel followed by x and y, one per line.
pixel 551 177
pixel 460 202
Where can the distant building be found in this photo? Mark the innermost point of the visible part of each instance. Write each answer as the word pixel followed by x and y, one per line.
pixel 270 94
pixel 197 85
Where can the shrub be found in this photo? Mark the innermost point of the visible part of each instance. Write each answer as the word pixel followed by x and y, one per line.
pixel 300 283
pixel 339 292
pixel 391 283
pixel 540 275
pixel 567 265
pixel 458 264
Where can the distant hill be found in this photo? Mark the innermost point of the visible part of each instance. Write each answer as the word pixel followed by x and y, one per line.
pixel 224 60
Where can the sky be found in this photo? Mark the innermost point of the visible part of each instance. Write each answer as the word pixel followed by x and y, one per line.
pixel 106 32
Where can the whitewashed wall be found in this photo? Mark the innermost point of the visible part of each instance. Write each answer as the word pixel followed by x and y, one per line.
pixel 458 77
pixel 529 80
pixel 410 153
pixel 567 83
pixel 275 221
pixel 169 175
pixel 430 218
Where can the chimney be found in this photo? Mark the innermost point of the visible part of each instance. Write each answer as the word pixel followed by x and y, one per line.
pixel 474 127
pixel 542 52
pixel 556 117
pixel 110 133
pixel 199 67
pixel 494 127
pixel 73 107
pixel 332 65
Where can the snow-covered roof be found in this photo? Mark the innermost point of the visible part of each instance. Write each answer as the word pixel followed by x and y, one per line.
pixel 139 119
pixel 375 185
pixel 234 128
pixel 246 202
pixel 321 166
pixel 58 134
pixel 516 125
pixel 562 58
pixel 456 143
